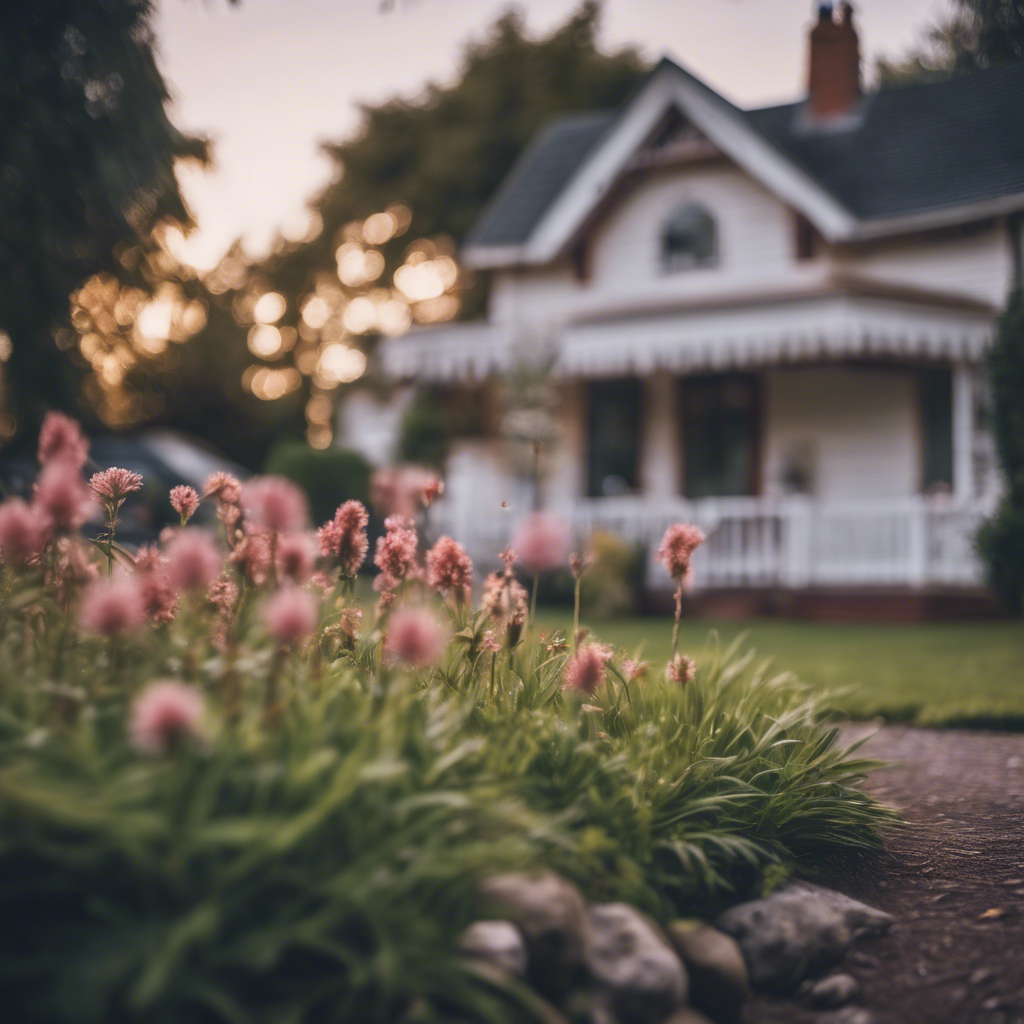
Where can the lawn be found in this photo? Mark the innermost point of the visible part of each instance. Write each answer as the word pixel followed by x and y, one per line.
pixel 968 674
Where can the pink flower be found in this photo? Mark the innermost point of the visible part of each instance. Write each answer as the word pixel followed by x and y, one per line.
pixel 450 569
pixel 681 669
pixel 252 552
pixel 159 599
pixel 677 547
pixel 275 504
pixel 504 597
pixel 296 553
pixel 222 594
pixel 23 532
pixel 193 560
pixel 149 558
pixel 580 563
pixel 402 490
pixel 585 669
pixel 432 490
pixel 414 637
pixel 112 607
pixel 112 486
pixel 634 669
pixel 291 614
pixel 542 541
pixel 345 538
pixel 396 553
pixel 72 571
pixel 184 501
pixel 224 486
pixel 62 497
pixel 165 716
pixel 61 440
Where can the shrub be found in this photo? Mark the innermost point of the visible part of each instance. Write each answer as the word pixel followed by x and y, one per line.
pixel 612 586
pixel 328 477
pixel 1001 540
pixel 212 817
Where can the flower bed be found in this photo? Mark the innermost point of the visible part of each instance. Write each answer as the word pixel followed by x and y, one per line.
pixel 228 792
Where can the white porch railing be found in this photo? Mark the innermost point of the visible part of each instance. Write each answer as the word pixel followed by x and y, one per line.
pixel 785 542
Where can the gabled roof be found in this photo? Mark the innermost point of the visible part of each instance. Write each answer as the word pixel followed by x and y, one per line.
pixel 922 147
pixel 906 159
pixel 537 177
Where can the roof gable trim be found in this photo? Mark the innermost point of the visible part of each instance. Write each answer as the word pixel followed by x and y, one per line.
pixel 725 125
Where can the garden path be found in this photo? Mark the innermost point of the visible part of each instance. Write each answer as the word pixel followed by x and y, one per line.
pixel 954 879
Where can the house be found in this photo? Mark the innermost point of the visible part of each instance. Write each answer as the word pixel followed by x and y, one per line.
pixel 770 322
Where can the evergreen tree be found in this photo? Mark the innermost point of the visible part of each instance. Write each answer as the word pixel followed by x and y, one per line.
pixel 87 170
pixel 1001 540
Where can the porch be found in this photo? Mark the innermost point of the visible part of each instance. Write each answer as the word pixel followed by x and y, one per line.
pixel 799 542
pixel 761 543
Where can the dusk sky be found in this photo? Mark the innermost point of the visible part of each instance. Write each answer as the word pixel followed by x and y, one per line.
pixel 269 79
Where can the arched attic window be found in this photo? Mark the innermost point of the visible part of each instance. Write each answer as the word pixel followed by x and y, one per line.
pixel 688 239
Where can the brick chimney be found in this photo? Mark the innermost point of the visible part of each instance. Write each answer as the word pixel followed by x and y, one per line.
pixel 834 64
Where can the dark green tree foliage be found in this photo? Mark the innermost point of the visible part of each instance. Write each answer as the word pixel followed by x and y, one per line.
pixel 1001 540
pixel 976 34
pixel 86 169
pixel 445 152
pixel 328 477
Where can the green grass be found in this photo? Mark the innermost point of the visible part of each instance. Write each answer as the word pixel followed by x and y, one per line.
pixel 966 674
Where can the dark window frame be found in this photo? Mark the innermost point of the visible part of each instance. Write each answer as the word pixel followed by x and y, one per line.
pixel 632 390
pixel 674 261
pixel 688 386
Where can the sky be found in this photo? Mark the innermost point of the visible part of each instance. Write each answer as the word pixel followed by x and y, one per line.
pixel 268 80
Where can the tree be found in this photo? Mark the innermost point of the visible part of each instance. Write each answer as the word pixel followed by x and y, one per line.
pixel 424 168
pixel 87 158
pixel 1001 540
pixel 977 34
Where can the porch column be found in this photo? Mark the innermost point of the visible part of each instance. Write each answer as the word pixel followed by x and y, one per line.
pixel 963 431
pixel 659 440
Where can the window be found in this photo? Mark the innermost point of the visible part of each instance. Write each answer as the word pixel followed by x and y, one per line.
pixel 613 436
pixel 720 436
pixel 688 239
pixel 937 416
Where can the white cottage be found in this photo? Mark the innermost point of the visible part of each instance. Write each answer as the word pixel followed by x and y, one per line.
pixel 771 322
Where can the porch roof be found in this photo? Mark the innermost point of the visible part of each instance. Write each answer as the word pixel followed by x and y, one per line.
pixel 843 318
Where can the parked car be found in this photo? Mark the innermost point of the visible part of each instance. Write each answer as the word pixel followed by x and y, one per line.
pixel 164 458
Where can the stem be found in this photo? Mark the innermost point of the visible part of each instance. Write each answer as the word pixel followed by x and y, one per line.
pixel 576 618
pixel 679 615
pixel 272 708
pixel 494 658
pixel 533 598
pixel 110 545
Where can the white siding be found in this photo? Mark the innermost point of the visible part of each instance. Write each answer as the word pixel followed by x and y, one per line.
pixel 756 252
pixel 977 265
pixel 755 232
pixel 860 424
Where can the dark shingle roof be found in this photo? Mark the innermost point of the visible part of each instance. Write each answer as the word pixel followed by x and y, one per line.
pixel 922 147
pixel 532 185
pixel 909 150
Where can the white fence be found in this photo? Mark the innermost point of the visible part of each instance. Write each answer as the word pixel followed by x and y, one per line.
pixel 787 542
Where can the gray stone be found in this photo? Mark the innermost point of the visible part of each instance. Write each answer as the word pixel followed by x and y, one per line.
pixel 498 943
pixel 798 931
pixel 718 974
pixel 552 917
pixel 848 1015
pixel 688 1015
pixel 836 990
pixel 630 958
